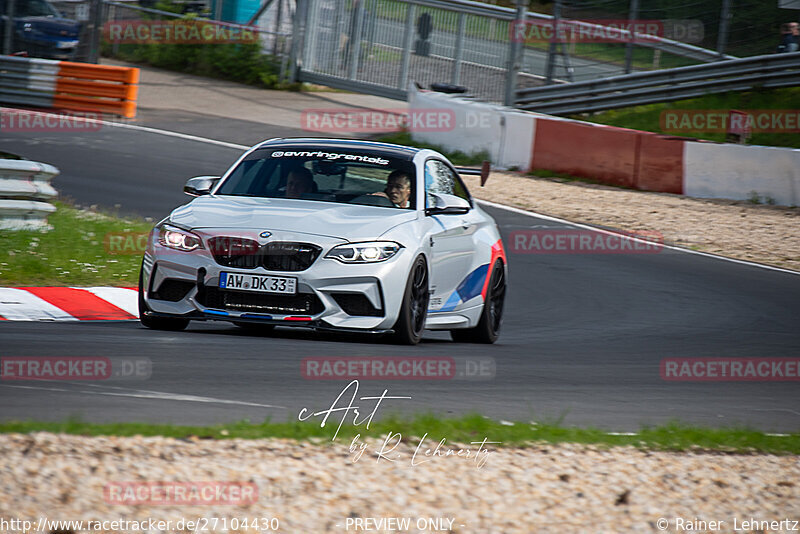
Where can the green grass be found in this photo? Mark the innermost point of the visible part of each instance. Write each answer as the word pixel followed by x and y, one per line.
pixel 670 437
pixel 457 157
pixel 648 117
pixel 83 248
pixel 642 57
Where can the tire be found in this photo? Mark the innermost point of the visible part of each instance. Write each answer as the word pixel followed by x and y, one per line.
pixel 256 328
pixel 156 323
pixel 411 322
pixel 488 328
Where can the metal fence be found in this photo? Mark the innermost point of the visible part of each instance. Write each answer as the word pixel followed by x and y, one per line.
pixel 381 46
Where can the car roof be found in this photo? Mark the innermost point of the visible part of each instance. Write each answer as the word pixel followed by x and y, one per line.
pixel 313 143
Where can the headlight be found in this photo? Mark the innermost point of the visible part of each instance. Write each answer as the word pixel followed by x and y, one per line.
pixel 372 252
pixel 172 237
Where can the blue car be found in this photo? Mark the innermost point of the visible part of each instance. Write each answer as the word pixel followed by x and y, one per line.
pixel 40 30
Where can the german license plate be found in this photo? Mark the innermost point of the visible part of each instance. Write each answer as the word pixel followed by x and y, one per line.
pixel 258 283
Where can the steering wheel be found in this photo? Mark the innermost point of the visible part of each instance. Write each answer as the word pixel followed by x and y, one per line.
pixel 373 200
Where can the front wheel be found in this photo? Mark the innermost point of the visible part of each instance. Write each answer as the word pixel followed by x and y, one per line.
pixel 488 328
pixel 156 323
pixel 411 322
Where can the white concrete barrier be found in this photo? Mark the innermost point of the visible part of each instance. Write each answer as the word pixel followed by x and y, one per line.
pixel 506 134
pixel 24 191
pixel 716 170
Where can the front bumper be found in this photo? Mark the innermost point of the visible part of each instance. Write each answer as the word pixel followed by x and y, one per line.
pixel 376 289
pixel 49 49
pixel 317 325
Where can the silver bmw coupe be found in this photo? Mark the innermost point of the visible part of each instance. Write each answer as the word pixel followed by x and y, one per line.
pixel 329 234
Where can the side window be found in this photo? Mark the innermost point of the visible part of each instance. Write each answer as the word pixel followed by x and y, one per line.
pixel 439 178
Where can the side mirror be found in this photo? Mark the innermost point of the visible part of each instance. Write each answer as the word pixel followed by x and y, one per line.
pixel 445 204
pixel 200 185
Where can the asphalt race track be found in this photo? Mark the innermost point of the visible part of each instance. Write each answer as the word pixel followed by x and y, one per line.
pixel 582 341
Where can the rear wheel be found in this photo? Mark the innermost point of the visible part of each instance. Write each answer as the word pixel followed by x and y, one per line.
pixel 156 323
pixel 488 328
pixel 411 322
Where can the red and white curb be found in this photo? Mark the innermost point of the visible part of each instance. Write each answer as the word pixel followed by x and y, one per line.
pixel 68 303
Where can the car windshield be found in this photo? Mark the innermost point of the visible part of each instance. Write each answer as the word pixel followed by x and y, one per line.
pixel 333 175
pixel 35 8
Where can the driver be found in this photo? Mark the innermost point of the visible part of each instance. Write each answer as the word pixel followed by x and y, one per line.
pixel 299 182
pixel 398 189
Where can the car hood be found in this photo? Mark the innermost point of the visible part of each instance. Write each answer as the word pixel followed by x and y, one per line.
pixel 342 221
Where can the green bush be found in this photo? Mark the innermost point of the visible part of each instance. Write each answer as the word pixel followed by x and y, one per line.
pixel 243 63
pixel 238 62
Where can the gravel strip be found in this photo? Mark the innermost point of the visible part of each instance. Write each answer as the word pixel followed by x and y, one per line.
pixel 315 487
pixel 760 233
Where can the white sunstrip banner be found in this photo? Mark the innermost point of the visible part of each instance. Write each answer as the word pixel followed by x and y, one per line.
pixel 20 305
pixel 329 155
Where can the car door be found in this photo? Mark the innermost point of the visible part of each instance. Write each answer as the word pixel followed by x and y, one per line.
pixel 451 237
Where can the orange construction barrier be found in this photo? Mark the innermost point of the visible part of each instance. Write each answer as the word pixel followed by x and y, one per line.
pixel 98 88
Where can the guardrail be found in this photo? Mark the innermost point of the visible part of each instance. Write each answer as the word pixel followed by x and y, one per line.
pixel 68 85
pixel 24 193
pixel 773 70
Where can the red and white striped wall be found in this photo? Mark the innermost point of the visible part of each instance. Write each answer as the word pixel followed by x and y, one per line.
pixel 68 303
